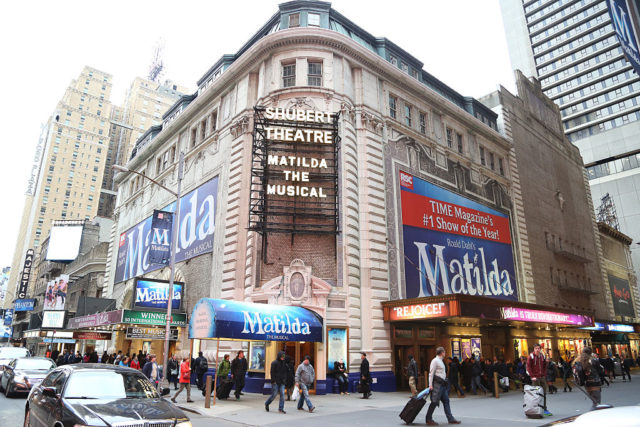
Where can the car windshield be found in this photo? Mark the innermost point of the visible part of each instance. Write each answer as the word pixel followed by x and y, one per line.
pixel 35 364
pixel 13 352
pixel 109 385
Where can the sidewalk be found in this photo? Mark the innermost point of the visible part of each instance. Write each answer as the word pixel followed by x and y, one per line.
pixel 382 409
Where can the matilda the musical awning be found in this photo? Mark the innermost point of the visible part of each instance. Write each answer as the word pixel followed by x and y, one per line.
pixel 224 319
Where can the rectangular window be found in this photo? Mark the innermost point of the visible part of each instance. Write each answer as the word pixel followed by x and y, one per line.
pixel 392 106
pixel 501 166
pixel 449 138
pixel 492 163
pixel 423 123
pixel 315 74
pixel 294 20
pixel 407 115
pixel 288 75
pixel 483 161
pixel 314 19
pixel 194 135
pixel 459 138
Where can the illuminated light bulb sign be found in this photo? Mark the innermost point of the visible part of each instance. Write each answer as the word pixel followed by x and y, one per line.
pixel 294 170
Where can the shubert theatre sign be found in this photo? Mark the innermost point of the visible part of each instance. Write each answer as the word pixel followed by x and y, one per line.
pixel 294 171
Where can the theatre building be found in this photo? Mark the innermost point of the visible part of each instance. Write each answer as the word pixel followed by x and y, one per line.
pixel 325 170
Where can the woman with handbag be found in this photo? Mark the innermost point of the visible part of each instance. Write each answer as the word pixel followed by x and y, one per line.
pixel 173 371
pixel 185 379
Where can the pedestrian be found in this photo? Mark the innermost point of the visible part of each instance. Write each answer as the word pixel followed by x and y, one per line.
pixel 521 372
pixel 439 388
pixel 152 372
pixel 476 380
pixel 78 358
pixel 340 374
pixel 365 377
pixel 537 370
pixel 201 366
pixel 125 361
pixel 467 367
pixel 142 359
pixel 54 354
pixel 305 376
pixel 565 367
pixel 592 372
pixel 172 371
pixel 93 357
pixel 552 374
pixel 412 373
pixel 134 362
pixel 223 369
pixel 239 368
pixel 454 371
pixel 291 376
pixel 185 379
pixel 626 368
pixel 278 379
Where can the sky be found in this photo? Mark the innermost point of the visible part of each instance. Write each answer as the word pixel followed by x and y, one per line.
pixel 46 44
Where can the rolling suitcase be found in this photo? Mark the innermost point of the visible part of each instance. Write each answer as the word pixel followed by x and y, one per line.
pixel 413 407
pixel 224 389
pixel 533 399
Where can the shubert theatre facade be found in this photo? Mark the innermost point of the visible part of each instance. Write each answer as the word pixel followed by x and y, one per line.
pixel 325 169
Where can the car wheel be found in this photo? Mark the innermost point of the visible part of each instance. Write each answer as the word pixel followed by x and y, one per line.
pixel 7 391
pixel 27 418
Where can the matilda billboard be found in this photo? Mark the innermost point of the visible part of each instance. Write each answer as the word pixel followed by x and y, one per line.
pixel 195 233
pixel 453 245
pixel 155 294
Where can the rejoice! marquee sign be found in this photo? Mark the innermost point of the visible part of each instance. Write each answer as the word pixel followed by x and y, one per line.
pixel 419 311
pixel 294 171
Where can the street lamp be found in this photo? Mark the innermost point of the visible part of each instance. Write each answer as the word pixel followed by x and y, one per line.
pixel 174 242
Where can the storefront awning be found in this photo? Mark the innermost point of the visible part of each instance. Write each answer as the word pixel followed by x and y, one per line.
pixel 224 319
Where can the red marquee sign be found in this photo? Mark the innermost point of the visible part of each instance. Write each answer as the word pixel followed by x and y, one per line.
pixel 419 311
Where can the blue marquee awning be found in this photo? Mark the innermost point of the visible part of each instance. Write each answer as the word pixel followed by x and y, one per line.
pixel 225 319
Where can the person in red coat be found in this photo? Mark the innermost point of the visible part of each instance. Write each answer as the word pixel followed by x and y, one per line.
pixel 185 379
pixel 537 370
pixel 134 363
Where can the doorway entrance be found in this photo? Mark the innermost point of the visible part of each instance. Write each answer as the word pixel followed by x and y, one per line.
pixel 297 352
pixel 426 354
pixel 401 359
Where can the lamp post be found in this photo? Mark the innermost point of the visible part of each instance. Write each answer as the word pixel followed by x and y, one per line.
pixel 174 242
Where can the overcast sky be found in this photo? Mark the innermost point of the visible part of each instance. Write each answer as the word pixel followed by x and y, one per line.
pixel 45 44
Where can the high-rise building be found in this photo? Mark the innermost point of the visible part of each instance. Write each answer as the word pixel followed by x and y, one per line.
pixel 68 165
pixel 571 47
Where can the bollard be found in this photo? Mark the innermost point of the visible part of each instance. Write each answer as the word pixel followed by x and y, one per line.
pixel 496 384
pixel 207 391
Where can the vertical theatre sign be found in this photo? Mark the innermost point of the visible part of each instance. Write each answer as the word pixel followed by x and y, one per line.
pixel 453 245
pixel 26 273
pixel 621 295
pixel 294 171
pixel 195 234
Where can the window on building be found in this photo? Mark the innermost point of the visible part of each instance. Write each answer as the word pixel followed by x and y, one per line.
pixel 483 161
pixel 501 166
pixel 407 115
pixel 288 75
pixel 449 137
pixel 423 123
pixel 492 163
pixel 194 135
pixel 393 103
pixel 315 74
pixel 460 147
pixel 214 121
pixel 294 20
pixel 314 19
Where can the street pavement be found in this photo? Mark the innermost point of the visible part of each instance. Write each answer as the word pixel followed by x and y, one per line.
pixel 381 410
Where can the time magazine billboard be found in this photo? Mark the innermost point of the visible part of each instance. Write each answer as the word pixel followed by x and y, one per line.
pixel 453 245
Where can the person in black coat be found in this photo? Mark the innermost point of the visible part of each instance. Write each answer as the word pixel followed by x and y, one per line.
pixel 239 368
pixel 291 376
pixel 365 377
pixel 454 371
pixel 467 367
pixel 278 381
pixel 340 374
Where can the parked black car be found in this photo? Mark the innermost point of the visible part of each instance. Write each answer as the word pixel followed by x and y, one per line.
pixel 7 354
pixel 22 374
pixel 94 394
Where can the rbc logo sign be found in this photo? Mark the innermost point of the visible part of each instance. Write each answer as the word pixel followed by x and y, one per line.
pixel 406 180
